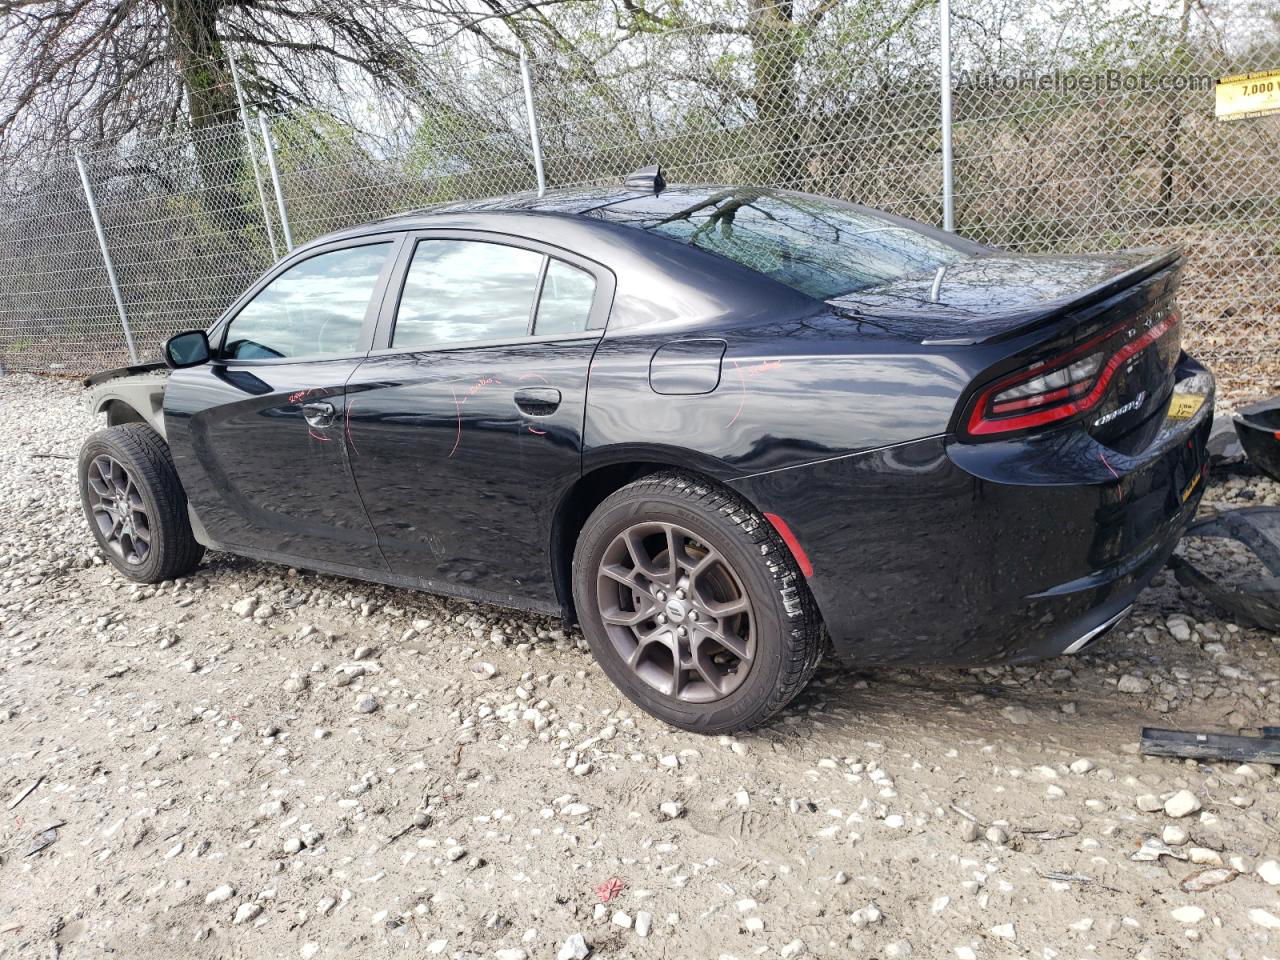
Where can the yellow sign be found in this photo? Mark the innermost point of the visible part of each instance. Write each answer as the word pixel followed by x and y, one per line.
pixel 1184 405
pixel 1248 95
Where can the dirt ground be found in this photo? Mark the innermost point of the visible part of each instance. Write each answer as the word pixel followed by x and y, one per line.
pixel 262 762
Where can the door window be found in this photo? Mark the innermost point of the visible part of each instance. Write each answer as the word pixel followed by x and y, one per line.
pixel 565 304
pixel 462 290
pixel 315 307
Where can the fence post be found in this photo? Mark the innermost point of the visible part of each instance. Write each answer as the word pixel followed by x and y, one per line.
pixel 533 123
pixel 253 158
pixel 106 257
pixel 275 181
pixel 948 186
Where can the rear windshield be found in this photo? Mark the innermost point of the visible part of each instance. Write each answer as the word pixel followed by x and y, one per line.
pixel 820 247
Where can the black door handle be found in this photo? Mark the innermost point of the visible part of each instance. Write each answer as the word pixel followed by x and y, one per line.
pixel 319 414
pixel 538 401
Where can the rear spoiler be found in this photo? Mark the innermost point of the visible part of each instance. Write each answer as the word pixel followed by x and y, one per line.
pixel 104 375
pixel 1020 321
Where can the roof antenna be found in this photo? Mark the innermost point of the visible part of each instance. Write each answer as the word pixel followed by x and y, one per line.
pixel 646 179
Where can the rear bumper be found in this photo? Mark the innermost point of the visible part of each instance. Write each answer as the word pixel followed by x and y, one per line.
pixel 942 552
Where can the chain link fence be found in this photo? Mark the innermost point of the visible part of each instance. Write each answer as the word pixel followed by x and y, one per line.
pixel 1082 145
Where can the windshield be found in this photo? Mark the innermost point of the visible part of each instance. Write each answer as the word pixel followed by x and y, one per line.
pixel 820 247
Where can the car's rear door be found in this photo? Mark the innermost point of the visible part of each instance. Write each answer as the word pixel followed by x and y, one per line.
pixel 257 433
pixel 465 423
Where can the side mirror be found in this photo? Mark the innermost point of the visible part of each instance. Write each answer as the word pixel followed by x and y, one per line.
pixel 188 349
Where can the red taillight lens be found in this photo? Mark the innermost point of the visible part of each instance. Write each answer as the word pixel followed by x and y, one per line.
pixel 1062 386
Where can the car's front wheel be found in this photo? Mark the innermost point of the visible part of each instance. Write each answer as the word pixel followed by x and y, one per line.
pixel 135 504
pixel 693 605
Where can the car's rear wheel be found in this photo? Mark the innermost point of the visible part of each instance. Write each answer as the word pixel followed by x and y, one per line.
pixel 135 504
pixel 693 605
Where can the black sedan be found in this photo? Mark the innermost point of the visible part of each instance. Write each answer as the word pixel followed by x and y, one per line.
pixel 723 428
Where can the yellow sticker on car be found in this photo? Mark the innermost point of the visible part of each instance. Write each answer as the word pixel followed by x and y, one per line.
pixel 1191 487
pixel 1185 405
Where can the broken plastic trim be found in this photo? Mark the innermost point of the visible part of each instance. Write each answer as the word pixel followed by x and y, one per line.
pixel 1257 601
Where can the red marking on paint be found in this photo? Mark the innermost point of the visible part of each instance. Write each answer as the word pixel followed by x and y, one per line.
pixel 457 403
pixel 764 367
pixel 299 395
pixel 1277 434
pixel 526 376
pixel 316 436
pixel 610 889
pixel 347 426
pixel 741 400
pixel 541 433
pixel 789 538
pixel 1103 457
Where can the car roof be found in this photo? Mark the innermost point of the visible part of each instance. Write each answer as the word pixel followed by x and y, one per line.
pixel 574 203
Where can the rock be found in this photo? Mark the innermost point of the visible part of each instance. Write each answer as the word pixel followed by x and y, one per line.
pixel 511 953
pixel 246 912
pixel 970 831
pixel 898 949
pixel 1173 835
pixel 1015 715
pixel 1082 765
pixel 1269 871
pixel 1204 856
pixel 1203 880
pixel 866 916
pixel 671 809
pixel 366 703
pixel 997 835
pixel 482 670
pixel 574 948
pixel 1182 804
pixel 575 809
pixel 1189 914
pixel 220 894
pixel 1179 629
pixel 245 606
pixel 309 949
pixel 1148 803
pixel 622 920
pixel 1264 918
pixel 1005 931
pixel 1132 683
pixel 795 948
pixel 644 923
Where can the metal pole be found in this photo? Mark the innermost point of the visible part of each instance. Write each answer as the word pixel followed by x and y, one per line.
pixel 948 185
pixel 275 181
pixel 253 158
pixel 533 123
pixel 106 258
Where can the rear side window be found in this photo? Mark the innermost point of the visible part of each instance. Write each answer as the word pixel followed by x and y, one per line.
pixel 565 304
pixel 461 290
pixel 822 248
pixel 315 307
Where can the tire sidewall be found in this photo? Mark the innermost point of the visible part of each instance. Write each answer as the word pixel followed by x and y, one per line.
pixel 745 704
pixel 97 445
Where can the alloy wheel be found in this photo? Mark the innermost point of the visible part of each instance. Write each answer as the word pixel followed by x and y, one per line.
pixel 117 508
pixel 676 612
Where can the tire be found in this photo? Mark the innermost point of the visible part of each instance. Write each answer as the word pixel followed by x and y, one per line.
pixel 134 458
pixel 702 525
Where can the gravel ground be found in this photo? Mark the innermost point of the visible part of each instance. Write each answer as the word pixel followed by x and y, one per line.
pixel 265 762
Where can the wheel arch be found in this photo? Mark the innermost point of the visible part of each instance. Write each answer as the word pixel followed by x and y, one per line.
pixel 607 473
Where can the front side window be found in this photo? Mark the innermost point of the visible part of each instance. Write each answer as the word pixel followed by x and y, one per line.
pixel 457 291
pixel 315 307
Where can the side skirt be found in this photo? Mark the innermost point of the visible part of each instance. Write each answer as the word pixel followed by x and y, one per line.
pixel 367 574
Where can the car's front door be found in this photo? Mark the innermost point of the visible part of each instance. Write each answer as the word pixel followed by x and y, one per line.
pixel 465 422
pixel 257 434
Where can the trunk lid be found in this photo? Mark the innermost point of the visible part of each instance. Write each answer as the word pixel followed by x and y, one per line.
pixel 990 297
pixel 1089 340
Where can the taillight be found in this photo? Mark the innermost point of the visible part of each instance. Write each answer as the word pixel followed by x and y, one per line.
pixel 1063 386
